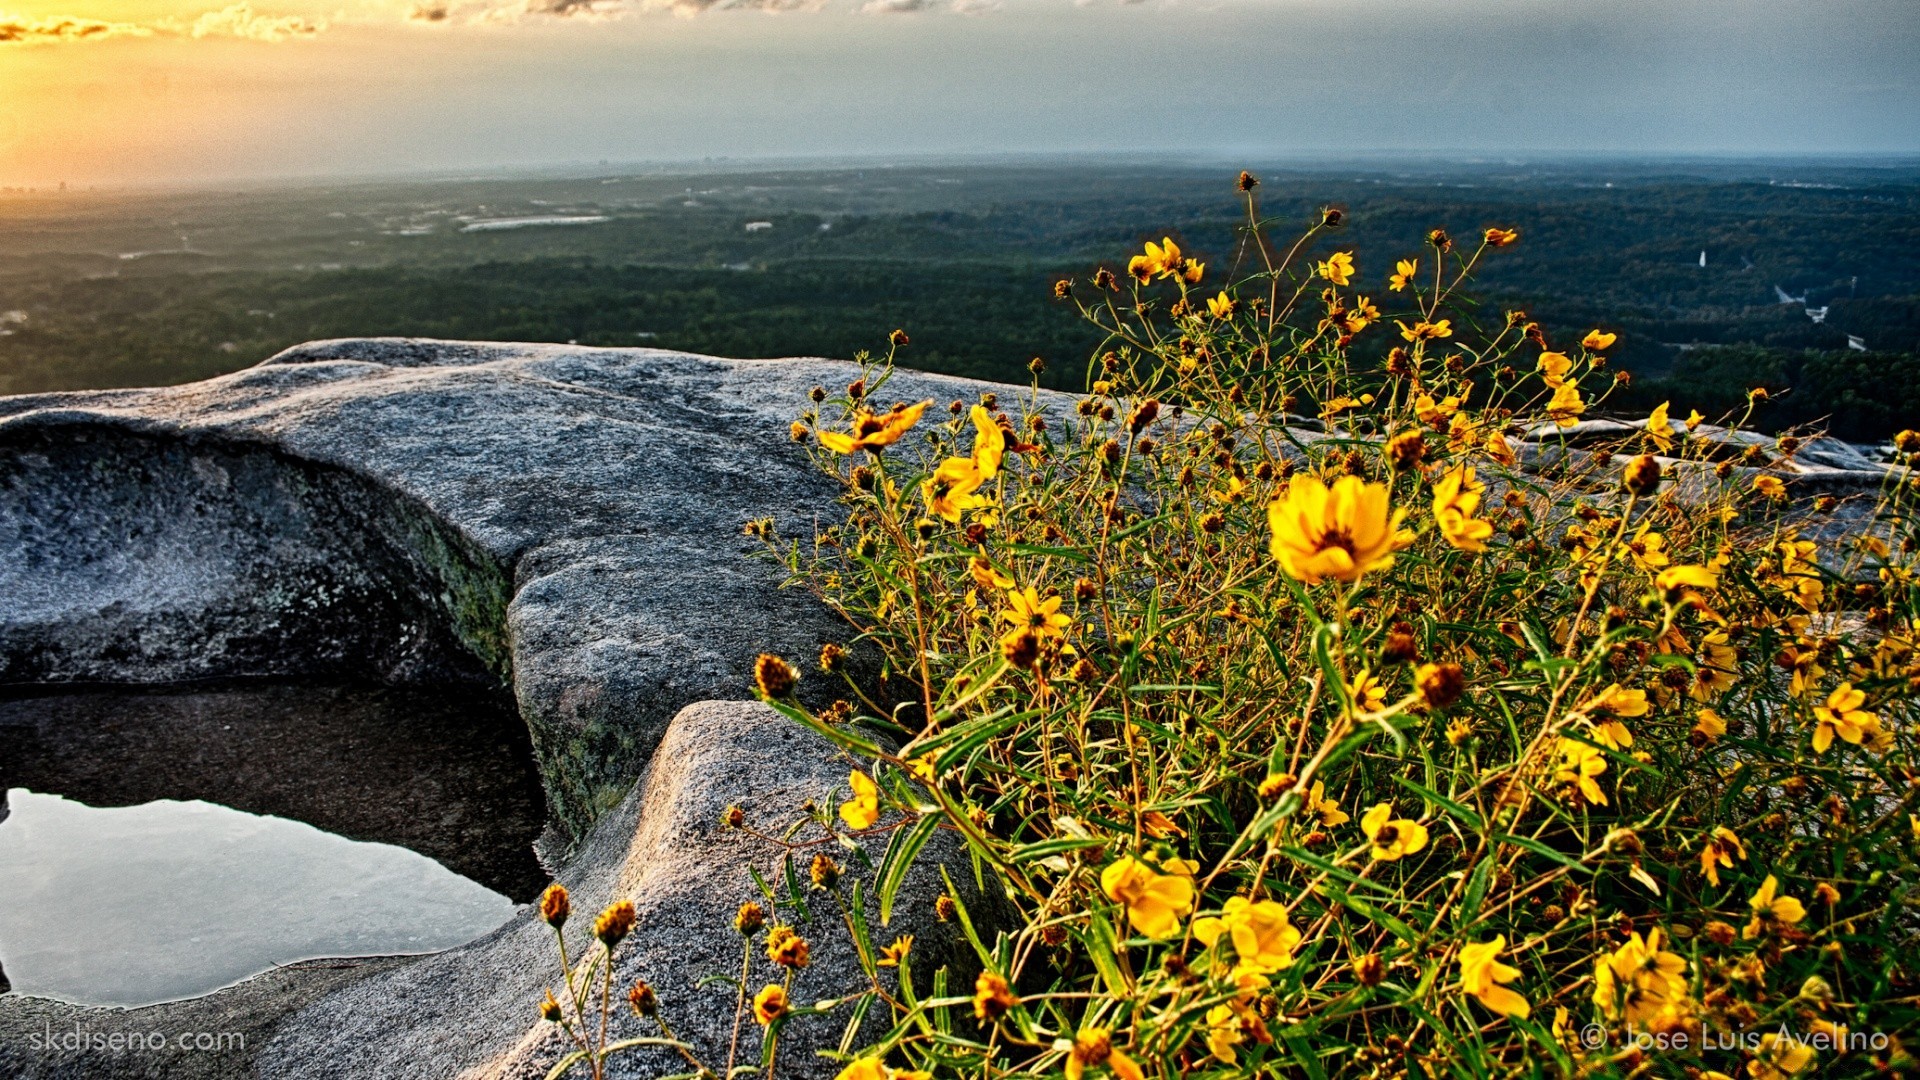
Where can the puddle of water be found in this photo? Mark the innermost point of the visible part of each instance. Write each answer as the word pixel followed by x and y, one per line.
pixel 167 900
pixel 444 771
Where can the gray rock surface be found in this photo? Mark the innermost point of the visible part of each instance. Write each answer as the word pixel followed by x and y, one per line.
pixel 562 518
pixel 470 1012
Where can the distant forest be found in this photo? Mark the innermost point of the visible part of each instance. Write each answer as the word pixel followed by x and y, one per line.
pixel 98 291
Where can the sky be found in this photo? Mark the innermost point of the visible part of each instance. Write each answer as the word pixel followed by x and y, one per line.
pixel 117 92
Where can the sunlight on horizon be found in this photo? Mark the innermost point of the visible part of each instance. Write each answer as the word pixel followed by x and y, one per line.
pixel 141 90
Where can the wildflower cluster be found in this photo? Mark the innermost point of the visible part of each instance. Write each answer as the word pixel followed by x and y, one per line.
pixel 1328 702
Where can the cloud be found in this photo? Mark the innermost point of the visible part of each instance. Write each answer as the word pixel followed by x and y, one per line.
pixel 429 13
pixel 15 29
pixel 236 21
pixel 241 21
pixel 916 7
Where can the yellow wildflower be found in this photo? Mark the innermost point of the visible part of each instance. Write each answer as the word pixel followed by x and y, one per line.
pixel 1566 405
pixel 1708 725
pixel 1367 692
pixel 1721 848
pixel 872 432
pixel 1403 274
pixel 1481 974
pixel 989 443
pixel 1160 260
pixel 770 1003
pixel 949 492
pixel 1338 268
pixel 1455 498
pixel 1779 1058
pixel 1223 1032
pixel 1155 902
pixel 1426 331
pixel 1501 237
pixel 1432 412
pixel 1596 340
pixel 1263 940
pixel 1328 810
pixel 896 952
pixel 1580 766
pixel 1553 368
pixel 1770 486
pixel 1660 428
pixel 1221 306
pixel 861 811
pixel 1342 533
pixel 1640 982
pixel 993 997
pixel 1843 716
pixel 986 575
pixel 1027 610
pixel 1391 837
pixel 1093 1047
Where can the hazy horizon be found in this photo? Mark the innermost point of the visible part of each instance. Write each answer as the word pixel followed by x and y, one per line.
pixel 118 92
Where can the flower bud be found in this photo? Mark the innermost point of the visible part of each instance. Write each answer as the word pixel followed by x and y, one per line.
pixel 773 676
pixel 1440 685
pixel 615 923
pixel 555 905
pixel 1642 476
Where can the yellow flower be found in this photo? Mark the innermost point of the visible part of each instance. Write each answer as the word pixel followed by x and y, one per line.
pixel 1720 850
pixel 1192 270
pixel 1770 486
pixel 1660 428
pixel 1223 1032
pixel 1094 1047
pixel 1342 533
pixel 1553 368
pixel 1338 268
pixel 1843 716
pixel 1026 610
pixel 1367 692
pixel 950 490
pixel 1481 974
pixel 1566 406
pixel 1391 837
pixel 861 811
pixel 896 952
pixel 1160 260
pixel 1713 673
pixel 1596 340
pixel 986 575
pixel 1426 331
pixel 1708 725
pixel 1327 809
pixel 1155 902
pixel 872 432
pixel 1432 412
pixel 989 443
pixel 993 996
pixel 867 1068
pixel 1455 498
pixel 1263 939
pixel 770 1003
pixel 1675 580
pixel 1221 306
pixel 1501 237
pixel 1579 767
pixel 1403 273
pixel 1779 1058
pixel 1640 982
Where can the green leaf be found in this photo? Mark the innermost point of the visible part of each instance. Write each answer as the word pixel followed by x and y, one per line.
pixel 902 849
pixel 1458 810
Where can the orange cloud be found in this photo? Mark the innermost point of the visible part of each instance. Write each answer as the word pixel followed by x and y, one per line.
pixel 235 21
pixel 15 29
